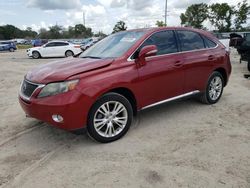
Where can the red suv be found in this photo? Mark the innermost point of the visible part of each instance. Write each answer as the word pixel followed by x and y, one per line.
pixel 126 72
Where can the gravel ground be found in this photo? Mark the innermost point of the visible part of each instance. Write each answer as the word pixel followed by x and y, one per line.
pixel 179 144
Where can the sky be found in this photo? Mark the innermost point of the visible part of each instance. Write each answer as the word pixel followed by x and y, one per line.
pixel 100 15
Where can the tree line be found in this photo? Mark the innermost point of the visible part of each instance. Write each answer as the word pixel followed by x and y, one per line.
pixel 8 32
pixel 222 16
pixel 57 31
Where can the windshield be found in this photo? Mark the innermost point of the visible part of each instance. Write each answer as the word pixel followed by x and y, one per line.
pixel 114 45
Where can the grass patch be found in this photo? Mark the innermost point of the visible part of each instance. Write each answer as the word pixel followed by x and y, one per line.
pixel 23 46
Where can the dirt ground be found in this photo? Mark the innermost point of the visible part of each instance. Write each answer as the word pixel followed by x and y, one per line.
pixel 179 144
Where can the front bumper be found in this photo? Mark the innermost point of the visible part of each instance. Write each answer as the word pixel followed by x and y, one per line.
pixel 73 106
pixel 29 53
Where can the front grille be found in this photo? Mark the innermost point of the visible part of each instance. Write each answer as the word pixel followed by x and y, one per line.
pixel 28 88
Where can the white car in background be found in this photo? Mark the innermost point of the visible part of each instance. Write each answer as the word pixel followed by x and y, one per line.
pixel 225 42
pixel 54 49
pixel 224 39
pixel 87 45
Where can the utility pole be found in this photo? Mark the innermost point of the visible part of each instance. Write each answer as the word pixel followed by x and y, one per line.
pixel 83 16
pixel 166 12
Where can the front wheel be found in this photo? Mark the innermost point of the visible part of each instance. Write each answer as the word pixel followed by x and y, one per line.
pixel 35 55
pixel 214 89
pixel 110 118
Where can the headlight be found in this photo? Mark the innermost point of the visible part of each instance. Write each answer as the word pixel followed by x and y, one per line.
pixel 56 88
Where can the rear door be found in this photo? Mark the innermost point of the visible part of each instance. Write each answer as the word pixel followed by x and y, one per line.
pixel 61 48
pixel 162 77
pixel 198 60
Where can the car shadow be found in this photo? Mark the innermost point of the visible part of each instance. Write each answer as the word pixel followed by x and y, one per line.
pixel 48 58
pixel 55 135
pixel 6 51
pixel 165 110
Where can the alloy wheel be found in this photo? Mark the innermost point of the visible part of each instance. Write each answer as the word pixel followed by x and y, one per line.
pixel 110 119
pixel 69 54
pixel 35 55
pixel 215 88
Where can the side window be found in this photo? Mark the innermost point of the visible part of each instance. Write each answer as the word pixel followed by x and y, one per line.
pixel 52 44
pixel 61 44
pixel 190 40
pixel 209 43
pixel 164 40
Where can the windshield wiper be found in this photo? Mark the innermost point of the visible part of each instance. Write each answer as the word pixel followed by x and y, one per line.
pixel 93 57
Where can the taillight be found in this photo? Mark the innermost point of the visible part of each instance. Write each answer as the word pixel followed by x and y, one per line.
pixel 77 46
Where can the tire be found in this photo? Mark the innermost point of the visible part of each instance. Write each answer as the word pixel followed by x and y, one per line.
pixel 214 89
pixel 11 49
pixel 36 55
pixel 69 53
pixel 109 118
pixel 248 65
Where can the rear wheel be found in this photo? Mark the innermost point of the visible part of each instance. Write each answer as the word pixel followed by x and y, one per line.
pixel 248 65
pixel 214 89
pixel 35 55
pixel 69 53
pixel 110 118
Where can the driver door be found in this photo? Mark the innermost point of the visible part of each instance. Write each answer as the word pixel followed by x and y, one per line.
pixel 163 75
pixel 49 50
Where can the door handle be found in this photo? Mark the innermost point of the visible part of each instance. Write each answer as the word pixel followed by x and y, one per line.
pixel 211 58
pixel 178 63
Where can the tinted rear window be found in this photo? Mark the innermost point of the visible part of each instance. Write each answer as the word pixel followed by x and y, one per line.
pixel 209 43
pixel 62 44
pixel 190 40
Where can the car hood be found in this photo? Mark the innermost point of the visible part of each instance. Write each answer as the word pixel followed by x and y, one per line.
pixel 36 48
pixel 63 69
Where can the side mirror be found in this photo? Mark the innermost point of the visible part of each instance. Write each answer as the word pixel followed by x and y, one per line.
pixel 146 51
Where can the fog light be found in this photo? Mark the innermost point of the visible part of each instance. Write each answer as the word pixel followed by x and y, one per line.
pixel 57 118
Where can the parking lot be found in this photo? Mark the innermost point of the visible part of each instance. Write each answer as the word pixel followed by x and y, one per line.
pixel 179 144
